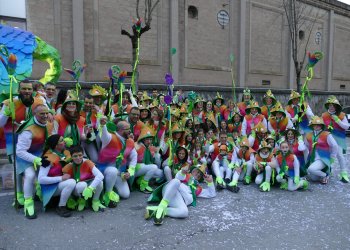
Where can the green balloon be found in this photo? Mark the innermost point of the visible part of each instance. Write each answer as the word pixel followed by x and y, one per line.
pixel 173 51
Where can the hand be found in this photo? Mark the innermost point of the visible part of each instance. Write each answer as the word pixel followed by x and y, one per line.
pixel 125 176
pixel 45 162
pixel 131 170
pixel 300 138
pixel 184 170
pixel 65 177
pixel 68 141
pixel 131 136
pixel 208 178
pixel 50 117
pixel 37 162
pixel 87 193
pixel 103 120
pixel 296 180
pixel 7 111
pixel 96 108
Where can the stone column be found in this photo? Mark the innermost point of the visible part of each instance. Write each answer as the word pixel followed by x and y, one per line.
pixel 78 32
pixel 174 38
pixel 242 41
pixel 329 53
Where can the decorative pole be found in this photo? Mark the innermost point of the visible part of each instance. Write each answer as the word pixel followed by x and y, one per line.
pixel 75 72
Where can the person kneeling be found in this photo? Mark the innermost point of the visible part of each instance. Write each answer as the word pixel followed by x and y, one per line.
pixel 89 179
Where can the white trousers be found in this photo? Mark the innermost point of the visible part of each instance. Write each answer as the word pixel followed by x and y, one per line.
pixel 260 177
pixel 64 190
pixel 177 207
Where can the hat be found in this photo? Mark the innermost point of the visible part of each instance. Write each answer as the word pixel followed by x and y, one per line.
pixel 145 97
pixel 295 131
pixel 72 97
pixel 238 112
pixel 292 96
pixel 97 90
pixel 271 136
pixel 154 104
pixel 146 132
pixel 244 142
pixel 202 168
pixel 246 91
pixel 177 128
pixel 198 99
pixel 218 97
pixel 278 108
pixel 269 95
pixel 316 120
pixel 252 104
pixel 260 128
pixel 52 141
pixel 263 145
pixel 211 117
pixel 333 100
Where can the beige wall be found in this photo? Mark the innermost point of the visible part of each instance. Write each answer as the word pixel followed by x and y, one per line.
pixel 203 46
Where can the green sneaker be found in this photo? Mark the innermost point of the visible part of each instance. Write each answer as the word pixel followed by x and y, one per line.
pixel 247 180
pixel 144 187
pixel 344 177
pixel 161 212
pixel 305 185
pixel 29 211
pixel 71 203
pixel 284 186
pixel 81 204
pixel 111 199
pixel 265 186
pixel 97 206
pixel 20 200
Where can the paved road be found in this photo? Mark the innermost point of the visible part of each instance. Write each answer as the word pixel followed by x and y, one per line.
pixel 315 219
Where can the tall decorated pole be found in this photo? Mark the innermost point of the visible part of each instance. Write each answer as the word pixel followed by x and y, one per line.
pixel 10 67
pixel 232 58
pixel 121 88
pixel 313 60
pixel 75 72
pixel 137 24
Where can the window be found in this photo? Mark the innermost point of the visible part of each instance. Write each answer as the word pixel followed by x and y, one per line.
pixel 192 12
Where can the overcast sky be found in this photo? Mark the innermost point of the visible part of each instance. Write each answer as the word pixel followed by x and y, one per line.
pixel 345 1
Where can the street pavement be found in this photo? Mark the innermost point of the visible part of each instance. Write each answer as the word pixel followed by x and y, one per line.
pixel 318 218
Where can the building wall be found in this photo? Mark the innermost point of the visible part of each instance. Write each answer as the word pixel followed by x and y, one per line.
pixel 257 35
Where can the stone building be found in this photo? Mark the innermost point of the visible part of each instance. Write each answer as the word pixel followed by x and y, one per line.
pixel 205 33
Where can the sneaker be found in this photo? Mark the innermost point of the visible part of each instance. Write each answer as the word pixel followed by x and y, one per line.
pixel 247 180
pixel 227 180
pixel 29 208
pixel 150 212
pixel 81 204
pixel 284 186
pixel 305 185
pixel 344 177
pixel 63 211
pixel 112 204
pixel 159 216
pixel 234 189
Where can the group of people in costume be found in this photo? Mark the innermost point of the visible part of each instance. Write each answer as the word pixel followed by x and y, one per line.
pixel 69 151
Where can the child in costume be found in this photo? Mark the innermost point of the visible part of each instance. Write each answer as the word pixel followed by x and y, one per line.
pixel 263 162
pixel 88 178
pixel 278 121
pixel 53 182
pixel 252 118
pixel 322 151
pixel 198 154
pixel 297 146
pixel 287 167
pixel 257 136
pixel 269 101
pixel 146 169
pixel 337 123
pixel 180 192
pixel 246 98
pixel 220 167
pixel 242 163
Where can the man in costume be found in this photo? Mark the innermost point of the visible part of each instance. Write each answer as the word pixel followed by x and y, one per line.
pixel 31 139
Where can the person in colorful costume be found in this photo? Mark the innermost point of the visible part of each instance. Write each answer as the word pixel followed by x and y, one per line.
pixel 219 106
pixel 323 149
pixel 145 113
pixel 296 146
pixel 198 153
pixel 23 110
pixel 31 139
pixel 170 146
pixel 53 182
pixel 246 98
pixel 278 122
pixel 135 124
pixel 220 167
pixel 90 112
pixel 337 123
pixel 180 161
pixel 288 169
pixel 252 118
pixel 242 164
pixel 257 136
pixel 70 124
pixel 117 152
pixel 229 111
pixel 128 101
pixel 50 94
pixel 263 167
pixel 269 101
pixel 235 124
pixel 299 114
pixel 99 96
pixel 180 192
pixel 198 112
pixel 146 169
pixel 89 180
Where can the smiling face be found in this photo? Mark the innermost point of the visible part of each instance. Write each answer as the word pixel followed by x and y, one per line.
pixel 147 142
pixel 77 157
pixel 246 98
pixel 331 108
pixel 197 174
pixel 88 104
pixel 181 154
pixel 253 111
pixel 50 90
pixel 209 106
pixel 290 135
pixel 71 107
pixel 42 114
pixel 284 147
